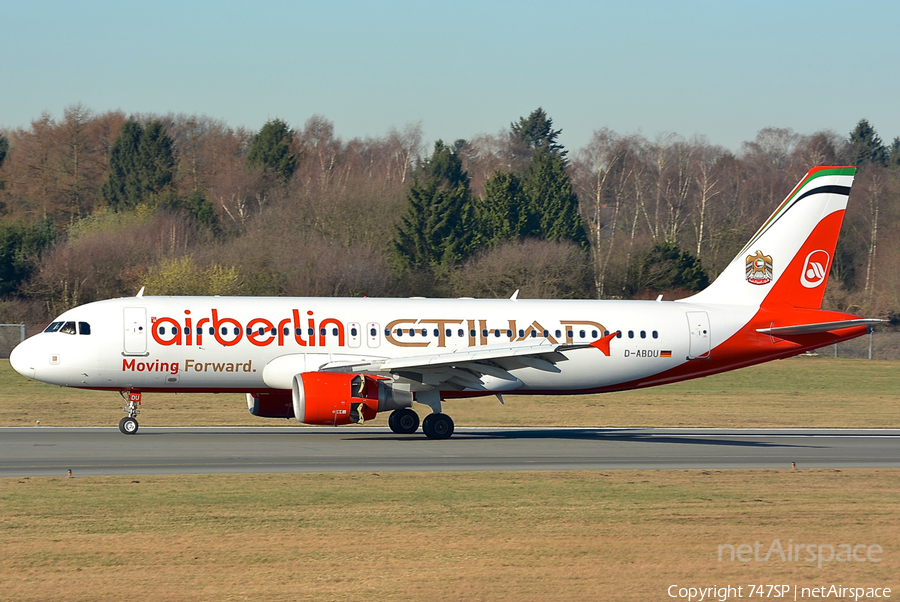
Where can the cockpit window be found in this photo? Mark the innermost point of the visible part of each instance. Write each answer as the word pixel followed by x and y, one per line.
pixel 68 328
pixel 84 328
pixel 53 327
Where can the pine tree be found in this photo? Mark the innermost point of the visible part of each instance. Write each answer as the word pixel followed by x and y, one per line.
pixel 503 212
pixel 552 203
pixel 141 166
pixel 535 132
pixel 19 245
pixel 437 228
pixel 270 150
pixel 156 162
pixel 120 189
pixel 893 159
pixel 4 148
pixel 866 146
pixel 666 267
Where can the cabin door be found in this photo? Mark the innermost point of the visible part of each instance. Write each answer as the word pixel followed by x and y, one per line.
pixel 698 322
pixel 135 319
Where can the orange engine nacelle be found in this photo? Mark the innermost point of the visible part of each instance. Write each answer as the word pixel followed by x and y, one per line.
pixel 333 398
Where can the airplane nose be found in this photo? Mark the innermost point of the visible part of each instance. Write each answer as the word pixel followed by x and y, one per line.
pixel 22 360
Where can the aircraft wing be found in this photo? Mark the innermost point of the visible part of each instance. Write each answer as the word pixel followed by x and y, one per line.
pixel 464 369
pixel 820 327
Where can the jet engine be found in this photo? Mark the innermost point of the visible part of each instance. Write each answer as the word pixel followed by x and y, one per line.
pixel 337 398
pixel 271 405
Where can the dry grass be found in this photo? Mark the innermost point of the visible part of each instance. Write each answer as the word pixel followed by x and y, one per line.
pixel 800 392
pixel 620 535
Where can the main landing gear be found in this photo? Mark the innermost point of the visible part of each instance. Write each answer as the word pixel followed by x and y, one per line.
pixel 129 424
pixel 435 426
pixel 404 421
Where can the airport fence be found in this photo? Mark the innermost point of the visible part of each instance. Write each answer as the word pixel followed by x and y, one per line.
pixel 10 336
pixel 878 345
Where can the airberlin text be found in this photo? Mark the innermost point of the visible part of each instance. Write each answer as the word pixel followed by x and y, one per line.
pixel 310 331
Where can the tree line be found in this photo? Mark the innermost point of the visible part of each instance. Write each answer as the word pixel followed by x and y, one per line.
pixel 94 206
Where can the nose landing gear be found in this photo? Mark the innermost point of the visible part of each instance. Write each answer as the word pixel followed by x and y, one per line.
pixel 129 424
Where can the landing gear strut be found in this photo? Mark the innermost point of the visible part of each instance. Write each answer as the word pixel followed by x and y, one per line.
pixel 436 425
pixel 129 424
pixel 404 421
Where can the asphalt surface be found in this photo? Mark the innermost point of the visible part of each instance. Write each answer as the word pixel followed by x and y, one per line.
pixel 48 451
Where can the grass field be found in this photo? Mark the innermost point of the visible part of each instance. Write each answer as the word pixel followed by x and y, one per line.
pixel 602 535
pixel 799 392
pixel 618 535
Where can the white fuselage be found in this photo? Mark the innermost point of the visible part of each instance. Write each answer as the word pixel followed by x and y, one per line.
pixel 246 344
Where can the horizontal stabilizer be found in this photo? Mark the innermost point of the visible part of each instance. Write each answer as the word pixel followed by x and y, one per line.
pixel 820 327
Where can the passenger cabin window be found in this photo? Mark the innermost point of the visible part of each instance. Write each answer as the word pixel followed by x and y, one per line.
pixel 643 334
pixel 630 334
pixel 655 335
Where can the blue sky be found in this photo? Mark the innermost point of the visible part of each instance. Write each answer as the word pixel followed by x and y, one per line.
pixel 719 69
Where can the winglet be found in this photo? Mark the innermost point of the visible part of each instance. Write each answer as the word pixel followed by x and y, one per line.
pixel 603 344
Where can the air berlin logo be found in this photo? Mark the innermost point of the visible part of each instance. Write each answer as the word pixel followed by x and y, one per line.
pixel 815 269
pixel 759 268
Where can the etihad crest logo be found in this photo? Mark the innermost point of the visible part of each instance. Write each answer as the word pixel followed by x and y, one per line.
pixel 759 268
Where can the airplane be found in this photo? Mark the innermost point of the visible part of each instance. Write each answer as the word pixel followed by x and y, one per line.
pixel 338 361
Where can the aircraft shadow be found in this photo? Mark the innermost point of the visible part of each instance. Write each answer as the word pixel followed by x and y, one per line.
pixel 600 436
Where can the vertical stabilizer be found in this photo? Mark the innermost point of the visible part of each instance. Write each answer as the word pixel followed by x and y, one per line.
pixel 788 259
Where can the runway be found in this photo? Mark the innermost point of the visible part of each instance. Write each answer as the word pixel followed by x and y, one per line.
pixel 48 451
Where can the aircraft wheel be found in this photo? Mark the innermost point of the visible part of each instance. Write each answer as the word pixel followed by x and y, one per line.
pixel 404 421
pixel 437 426
pixel 392 421
pixel 128 425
